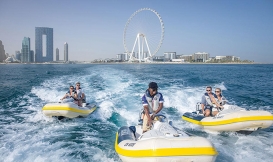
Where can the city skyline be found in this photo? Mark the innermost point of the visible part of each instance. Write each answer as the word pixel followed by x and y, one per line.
pixel 94 29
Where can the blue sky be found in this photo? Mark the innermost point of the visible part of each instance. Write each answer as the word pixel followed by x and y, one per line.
pixel 94 28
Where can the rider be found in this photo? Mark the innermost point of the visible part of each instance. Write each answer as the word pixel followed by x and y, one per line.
pixel 79 94
pixel 152 102
pixel 70 93
pixel 209 101
pixel 220 99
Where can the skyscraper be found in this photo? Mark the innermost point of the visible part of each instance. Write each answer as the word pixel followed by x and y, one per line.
pixel 43 54
pixel 31 56
pixel 57 54
pixel 65 52
pixel 2 52
pixel 25 57
pixel 18 55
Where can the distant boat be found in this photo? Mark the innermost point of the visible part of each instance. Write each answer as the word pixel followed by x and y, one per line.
pixel 68 110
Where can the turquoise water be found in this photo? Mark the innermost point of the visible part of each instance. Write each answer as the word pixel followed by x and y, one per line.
pixel 27 135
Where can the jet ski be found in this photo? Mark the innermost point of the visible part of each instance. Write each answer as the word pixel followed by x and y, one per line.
pixel 162 143
pixel 231 118
pixel 68 109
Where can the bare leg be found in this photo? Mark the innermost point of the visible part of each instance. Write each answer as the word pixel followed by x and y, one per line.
pixel 145 122
pixel 215 113
pixel 207 113
pixel 80 103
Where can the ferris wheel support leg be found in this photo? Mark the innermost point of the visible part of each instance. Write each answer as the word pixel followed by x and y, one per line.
pixel 138 48
pixel 142 53
pixel 150 55
pixel 131 57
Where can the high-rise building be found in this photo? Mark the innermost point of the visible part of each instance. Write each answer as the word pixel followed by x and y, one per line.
pixel 18 55
pixel 43 54
pixel 65 52
pixel 25 57
pixel 31 56
pixel 57 54
pixel 2 52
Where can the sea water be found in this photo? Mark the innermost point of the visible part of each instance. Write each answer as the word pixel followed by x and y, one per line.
pixel 27 135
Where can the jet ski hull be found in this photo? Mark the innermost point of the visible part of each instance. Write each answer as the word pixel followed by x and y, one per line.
pixel 157 146
pixel 68 110
pixel 237 120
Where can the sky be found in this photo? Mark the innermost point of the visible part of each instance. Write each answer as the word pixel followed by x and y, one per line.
pixel 94 29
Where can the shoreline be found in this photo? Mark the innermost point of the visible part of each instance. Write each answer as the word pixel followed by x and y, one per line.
pixel 230 63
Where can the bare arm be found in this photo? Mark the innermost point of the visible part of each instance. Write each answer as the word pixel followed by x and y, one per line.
pixel 202 106
pixel 64 96
pixel 146 111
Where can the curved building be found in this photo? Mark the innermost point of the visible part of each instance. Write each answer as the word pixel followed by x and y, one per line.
pixel 43 55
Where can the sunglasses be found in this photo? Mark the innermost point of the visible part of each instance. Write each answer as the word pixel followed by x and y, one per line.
pixel 217 91
pixel 71 88
pixel 154 89
pixel 208 90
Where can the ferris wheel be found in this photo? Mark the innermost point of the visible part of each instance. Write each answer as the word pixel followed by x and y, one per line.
pixel 143 35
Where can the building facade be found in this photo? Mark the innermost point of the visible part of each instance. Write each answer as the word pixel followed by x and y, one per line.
pixel 168 56
pixel 25 51
pixel 65 52
pixel 158 58
pixel 220 57
pixel 2 52
pixel 126 56
pixel 18 55
pixel 43 55
pixel 31 56
pixel 200 57
pixel 122 57
pixel 57 54
pixel 187 58
pixel 227 58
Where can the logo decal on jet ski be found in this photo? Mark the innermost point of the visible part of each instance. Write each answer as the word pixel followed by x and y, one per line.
pixel 130 144
pixel 218 117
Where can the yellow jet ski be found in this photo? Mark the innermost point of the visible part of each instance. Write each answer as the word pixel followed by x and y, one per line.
pixel 68 109
pixel 162 143
pixel 231 118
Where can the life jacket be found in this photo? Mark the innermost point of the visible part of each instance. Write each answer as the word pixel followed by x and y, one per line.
pixel 208 99
pixel 222 101
pixel 80 93
pixel 73 93
pixel 153 102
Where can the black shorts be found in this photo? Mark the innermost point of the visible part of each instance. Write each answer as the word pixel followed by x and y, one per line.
pixel 207 107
